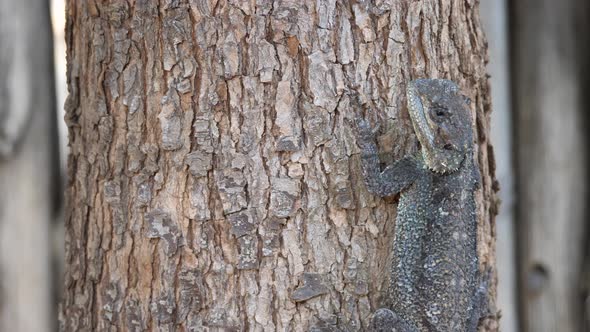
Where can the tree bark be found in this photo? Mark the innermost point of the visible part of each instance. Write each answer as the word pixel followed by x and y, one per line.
pixel 29 168
pixel 214 179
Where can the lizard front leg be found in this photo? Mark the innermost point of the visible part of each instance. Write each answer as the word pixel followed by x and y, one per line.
pixel 385 320
pixel 393 178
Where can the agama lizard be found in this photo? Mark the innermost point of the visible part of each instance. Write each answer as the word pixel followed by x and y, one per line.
pixel 435 281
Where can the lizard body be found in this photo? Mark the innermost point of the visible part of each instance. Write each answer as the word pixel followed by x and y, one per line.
pixel 435 281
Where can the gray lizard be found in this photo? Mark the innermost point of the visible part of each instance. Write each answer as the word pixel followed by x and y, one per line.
pixel 435 280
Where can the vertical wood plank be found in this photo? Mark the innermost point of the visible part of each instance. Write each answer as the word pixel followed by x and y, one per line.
pixel 27 169
pixel 551 156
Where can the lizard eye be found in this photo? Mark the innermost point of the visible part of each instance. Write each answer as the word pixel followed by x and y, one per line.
pixel 440 112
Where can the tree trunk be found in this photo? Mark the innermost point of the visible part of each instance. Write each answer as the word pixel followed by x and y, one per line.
pixel 28 166
pixel 214 176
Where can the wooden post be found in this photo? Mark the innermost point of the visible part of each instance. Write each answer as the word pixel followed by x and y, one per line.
pixel 551 143
pixel 28 169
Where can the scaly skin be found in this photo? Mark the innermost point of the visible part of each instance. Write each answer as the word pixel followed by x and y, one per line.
pixel 435 280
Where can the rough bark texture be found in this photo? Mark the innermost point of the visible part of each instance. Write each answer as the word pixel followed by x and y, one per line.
pixel 28 166
pixel 214 177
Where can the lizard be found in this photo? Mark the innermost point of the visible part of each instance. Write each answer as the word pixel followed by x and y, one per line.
pixel 435 282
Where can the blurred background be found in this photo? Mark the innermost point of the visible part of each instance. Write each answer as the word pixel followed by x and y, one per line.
pixel 539 66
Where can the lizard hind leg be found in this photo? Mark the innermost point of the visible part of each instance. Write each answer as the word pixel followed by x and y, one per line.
pixel 385 320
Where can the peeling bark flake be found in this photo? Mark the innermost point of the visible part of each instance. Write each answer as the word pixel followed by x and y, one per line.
pixel 284 197
pixel 161 226
pixel 312 286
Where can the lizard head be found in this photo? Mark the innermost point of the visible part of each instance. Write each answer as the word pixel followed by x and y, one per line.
pixel 441 121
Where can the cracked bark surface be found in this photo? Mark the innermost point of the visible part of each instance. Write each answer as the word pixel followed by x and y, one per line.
pixel 214 180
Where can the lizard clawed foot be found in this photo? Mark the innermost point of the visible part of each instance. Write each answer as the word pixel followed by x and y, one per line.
pixel 364 130
pixel 385 320
pixel 363 127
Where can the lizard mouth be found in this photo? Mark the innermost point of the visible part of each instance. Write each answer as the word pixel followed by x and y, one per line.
pixel 448 146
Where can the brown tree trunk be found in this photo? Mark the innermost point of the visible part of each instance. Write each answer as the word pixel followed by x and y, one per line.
pixel 214 177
